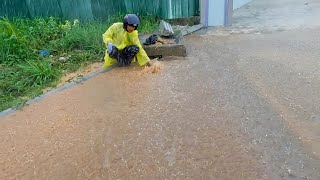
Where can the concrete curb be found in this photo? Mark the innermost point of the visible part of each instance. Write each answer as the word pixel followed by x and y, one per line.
pixel 192 29
pixel 53 91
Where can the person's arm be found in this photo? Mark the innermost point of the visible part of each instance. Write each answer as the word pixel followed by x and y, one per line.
pixel 107 36
pixel 134 38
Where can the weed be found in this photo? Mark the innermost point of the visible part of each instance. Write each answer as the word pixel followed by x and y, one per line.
pixel 38 73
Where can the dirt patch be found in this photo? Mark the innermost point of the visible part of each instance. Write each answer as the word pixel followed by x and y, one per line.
pixel 80 73
pixel 69 77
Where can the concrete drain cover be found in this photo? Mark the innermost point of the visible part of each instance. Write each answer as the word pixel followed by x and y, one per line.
pixel 165 46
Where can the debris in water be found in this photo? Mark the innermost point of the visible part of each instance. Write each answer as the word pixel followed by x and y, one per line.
pixel 155 67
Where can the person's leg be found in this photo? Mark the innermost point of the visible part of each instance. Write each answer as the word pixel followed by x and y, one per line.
pixel 127 54
pixel 115 53
pixel 108 61
pixel 112 57
pixel 142 57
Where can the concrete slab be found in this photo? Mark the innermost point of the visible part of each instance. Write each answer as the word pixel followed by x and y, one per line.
pixel 176 48
pixel 166 50
pixel 192 29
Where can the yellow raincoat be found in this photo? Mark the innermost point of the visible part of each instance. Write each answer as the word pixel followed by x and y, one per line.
pixel 118 36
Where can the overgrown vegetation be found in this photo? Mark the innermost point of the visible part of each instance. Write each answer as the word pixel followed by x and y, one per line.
pixel 25 69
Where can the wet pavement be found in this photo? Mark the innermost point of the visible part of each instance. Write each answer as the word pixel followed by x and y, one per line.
pixel 267 17
pixel 240 106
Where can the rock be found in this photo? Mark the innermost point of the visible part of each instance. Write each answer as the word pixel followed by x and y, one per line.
pixel 290 172
pixel 166 29
pixel 63 59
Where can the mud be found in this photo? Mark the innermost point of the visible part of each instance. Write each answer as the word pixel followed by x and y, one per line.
pixel 240 106
pixel 236 108
pixel 70 77
pixel 154 68
pixel 126 124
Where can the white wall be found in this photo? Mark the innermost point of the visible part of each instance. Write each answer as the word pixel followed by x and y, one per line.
pixel 216 11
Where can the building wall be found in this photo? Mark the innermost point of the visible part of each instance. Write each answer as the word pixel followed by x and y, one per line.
pixel 212 12
pixel 203 12
pixel 215 12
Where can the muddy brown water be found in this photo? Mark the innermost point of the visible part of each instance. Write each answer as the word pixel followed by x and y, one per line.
pixel 235 108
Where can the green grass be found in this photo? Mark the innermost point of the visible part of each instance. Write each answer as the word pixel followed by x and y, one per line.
pixel 24 74
pixel 38 73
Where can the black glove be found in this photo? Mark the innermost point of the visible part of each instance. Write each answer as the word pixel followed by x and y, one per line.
pixel 151 40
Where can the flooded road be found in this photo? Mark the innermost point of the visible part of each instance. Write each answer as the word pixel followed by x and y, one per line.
pixel 238 107
pixel 244 104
